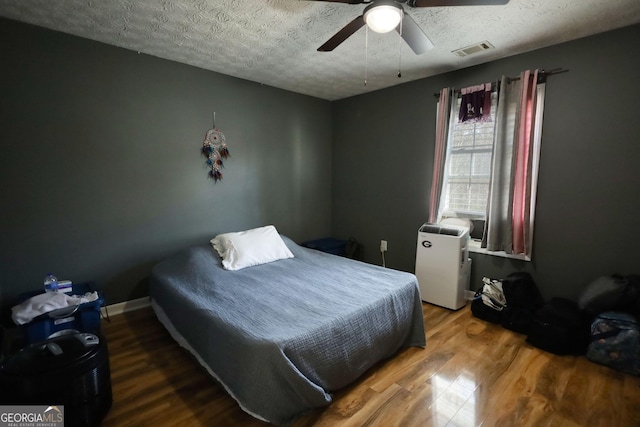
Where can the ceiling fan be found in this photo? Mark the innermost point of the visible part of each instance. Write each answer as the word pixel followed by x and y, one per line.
pixel 383 16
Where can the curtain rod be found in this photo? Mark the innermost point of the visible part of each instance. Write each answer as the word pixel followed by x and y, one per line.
pixel 542 75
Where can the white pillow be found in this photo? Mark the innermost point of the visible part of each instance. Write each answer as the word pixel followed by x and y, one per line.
pixel 250 247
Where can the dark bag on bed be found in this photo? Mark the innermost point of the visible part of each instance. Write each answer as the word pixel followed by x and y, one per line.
pixel 523 300
pixel 560 327
pixel 615 341
pixel 489 302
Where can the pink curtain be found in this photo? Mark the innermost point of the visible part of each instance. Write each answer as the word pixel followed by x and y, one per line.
pixel 442 133
pixel 522 175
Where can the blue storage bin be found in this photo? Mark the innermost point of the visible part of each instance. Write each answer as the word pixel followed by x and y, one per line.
pixel 329 245
pixel 82 318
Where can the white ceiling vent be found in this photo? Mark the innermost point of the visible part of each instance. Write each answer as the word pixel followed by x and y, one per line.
pixel 474 48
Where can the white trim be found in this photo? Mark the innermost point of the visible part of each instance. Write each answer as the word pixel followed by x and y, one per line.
pixel 123 307
pixel 474 246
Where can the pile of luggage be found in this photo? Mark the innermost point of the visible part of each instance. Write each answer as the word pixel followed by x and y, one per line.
pixel 602 324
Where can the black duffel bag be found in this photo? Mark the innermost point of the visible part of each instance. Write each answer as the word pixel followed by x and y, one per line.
pixel 560 327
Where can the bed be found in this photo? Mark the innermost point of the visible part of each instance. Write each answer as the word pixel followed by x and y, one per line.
pixel 282 336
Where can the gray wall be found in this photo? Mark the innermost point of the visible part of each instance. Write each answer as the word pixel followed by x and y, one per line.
pixel 588 204
pixel 102 177
pixel 101 169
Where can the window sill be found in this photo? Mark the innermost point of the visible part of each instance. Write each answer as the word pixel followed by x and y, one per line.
pixel 474 246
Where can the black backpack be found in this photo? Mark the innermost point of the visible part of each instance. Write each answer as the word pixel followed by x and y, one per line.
pixel 560 327
pixel 523 300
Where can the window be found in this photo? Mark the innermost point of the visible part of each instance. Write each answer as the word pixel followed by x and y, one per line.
pixel 487 171
pixel 467 171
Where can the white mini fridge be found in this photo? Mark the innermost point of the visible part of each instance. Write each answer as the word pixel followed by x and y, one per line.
pixel 443 265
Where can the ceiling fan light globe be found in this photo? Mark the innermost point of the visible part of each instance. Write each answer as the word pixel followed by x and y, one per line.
pixel 383 18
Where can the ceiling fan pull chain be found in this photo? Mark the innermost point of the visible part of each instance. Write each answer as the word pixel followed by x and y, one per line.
pixel 400 51
pixel 366 53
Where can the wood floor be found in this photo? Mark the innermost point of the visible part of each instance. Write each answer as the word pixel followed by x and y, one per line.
pixel 470 374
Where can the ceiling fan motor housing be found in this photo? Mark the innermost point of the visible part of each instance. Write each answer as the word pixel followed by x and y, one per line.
pixel 383 16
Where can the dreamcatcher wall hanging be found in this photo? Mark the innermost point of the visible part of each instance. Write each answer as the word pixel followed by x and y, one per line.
pixel 214 148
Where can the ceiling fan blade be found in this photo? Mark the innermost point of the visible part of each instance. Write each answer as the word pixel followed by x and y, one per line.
pixel 345 1
pixel 414 36
pixel 440 3
pixel 342 35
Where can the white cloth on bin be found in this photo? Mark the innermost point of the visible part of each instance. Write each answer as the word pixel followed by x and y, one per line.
pixel 26 311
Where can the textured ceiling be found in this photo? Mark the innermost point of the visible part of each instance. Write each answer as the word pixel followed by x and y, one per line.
pixel 274 42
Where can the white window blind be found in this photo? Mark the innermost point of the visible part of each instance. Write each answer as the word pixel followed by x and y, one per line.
pixel 468 167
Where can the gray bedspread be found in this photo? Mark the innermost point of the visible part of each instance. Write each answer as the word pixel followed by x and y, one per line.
pixel 281 336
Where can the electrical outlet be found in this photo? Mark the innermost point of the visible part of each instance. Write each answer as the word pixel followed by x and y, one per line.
pixel 383 246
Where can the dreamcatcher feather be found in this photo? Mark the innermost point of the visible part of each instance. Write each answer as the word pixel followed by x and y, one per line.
pixel 215 148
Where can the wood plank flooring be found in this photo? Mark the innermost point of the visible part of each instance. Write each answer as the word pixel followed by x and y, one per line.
pixel 471 373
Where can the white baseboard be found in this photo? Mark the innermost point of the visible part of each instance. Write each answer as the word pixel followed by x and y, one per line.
pixel 123 307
